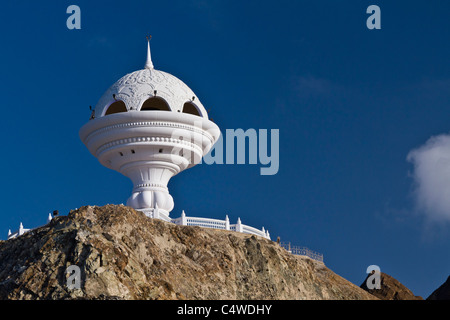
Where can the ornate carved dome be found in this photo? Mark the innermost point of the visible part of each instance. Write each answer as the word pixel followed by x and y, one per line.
pixel 137 87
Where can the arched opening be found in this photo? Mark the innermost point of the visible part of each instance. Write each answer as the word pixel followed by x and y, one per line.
pixel 155 103
pixel 190 108
pixel 116 107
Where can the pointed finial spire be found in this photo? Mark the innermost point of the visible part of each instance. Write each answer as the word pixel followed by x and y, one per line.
pixel 149 63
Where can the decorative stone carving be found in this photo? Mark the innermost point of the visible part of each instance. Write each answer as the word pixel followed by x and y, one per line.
pixel 136 87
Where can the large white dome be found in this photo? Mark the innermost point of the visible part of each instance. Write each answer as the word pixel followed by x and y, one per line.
pixel 136 87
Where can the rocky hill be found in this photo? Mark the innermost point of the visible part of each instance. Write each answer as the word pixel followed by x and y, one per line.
pixel 441 293
pixel 391 289
pixel 122 254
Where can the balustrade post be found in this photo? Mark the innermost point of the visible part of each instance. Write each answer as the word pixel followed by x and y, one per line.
pixel 227 223
pixel 239 227
pixel 183 218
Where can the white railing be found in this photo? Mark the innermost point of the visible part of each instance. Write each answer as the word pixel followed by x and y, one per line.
pixel 207 223
pixel 22 230
pixel 302 251
pixel 220 224
pixel 251 230
pixel 19 232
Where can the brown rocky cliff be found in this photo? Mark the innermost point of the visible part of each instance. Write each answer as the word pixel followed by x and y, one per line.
pixel 123 254
pixel 390 289
pixel 441 293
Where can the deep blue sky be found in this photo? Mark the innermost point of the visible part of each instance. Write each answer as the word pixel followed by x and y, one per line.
pixel 350 103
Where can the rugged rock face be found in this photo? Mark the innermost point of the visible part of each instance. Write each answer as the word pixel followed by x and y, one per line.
pixel 391 289
pixel 122 254
pixel 441 293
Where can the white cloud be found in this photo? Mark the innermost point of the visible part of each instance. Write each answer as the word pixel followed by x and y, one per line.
pixel 432 177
